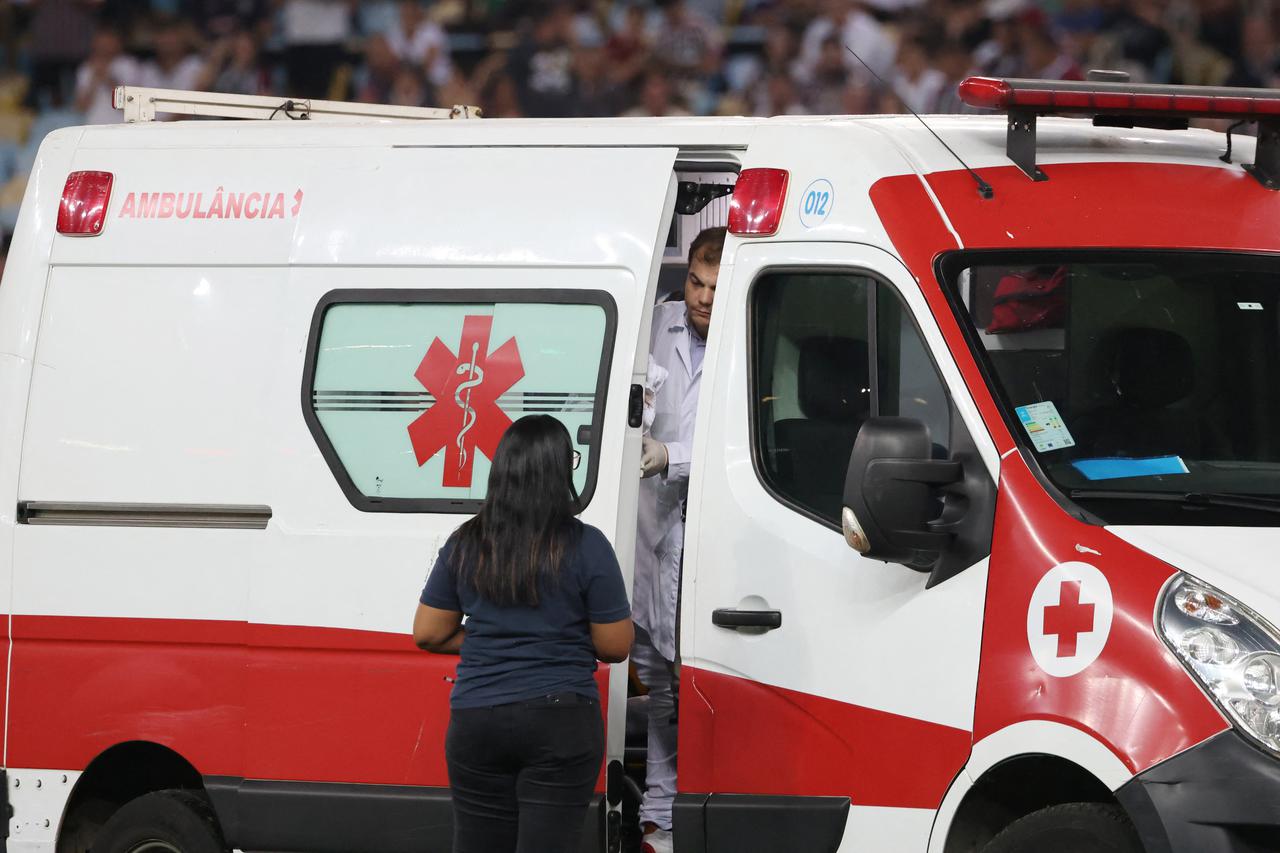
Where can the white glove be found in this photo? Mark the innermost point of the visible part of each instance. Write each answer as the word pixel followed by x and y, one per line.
pixel 652 384
pixel 653 457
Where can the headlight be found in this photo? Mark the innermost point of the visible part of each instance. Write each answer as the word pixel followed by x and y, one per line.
pixel 1232 650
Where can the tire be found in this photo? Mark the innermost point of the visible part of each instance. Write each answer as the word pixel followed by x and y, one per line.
pixel 172 821
pixel 1069 828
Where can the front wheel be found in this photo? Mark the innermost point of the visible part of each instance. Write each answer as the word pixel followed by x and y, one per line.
pixel 1069 828
pixel 172 821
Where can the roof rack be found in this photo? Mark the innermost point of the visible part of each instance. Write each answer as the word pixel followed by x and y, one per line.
pixel 142 104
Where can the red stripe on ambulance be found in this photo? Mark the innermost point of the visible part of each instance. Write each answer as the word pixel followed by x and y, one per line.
pixel 770 740
pixel 233 698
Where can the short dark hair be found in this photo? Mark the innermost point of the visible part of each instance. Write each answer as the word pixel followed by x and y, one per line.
pixel 707 246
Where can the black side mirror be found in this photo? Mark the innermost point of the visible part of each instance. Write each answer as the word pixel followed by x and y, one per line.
pixel 902 506
pixel 888 489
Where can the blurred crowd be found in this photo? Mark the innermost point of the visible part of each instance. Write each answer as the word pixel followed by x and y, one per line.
pixel 59 59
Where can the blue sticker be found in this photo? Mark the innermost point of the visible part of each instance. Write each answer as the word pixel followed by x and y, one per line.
pixel 1114 468
pixel 816 203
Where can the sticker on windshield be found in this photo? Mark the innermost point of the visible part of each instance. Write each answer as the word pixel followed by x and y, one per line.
pixel 1114 468
pixel 1044 426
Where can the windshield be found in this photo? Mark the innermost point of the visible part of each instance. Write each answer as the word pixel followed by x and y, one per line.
pixel 1145 384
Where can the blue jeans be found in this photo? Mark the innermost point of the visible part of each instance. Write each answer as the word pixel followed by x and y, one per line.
pixel 522 775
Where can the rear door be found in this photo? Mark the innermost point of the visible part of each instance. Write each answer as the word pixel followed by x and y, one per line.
pixel 864 693
pixel 435 297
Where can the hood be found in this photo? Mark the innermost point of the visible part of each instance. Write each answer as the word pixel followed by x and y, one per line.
pixel 1243 562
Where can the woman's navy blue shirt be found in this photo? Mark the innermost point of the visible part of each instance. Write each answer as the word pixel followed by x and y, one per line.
pixel 514 653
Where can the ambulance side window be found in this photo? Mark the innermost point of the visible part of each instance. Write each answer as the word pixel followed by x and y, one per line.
pixel 407 393
pixel 814 339
pixel 811 383
pixel 910 385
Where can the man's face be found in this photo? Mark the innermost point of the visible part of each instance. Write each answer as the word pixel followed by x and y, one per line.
pixel 699 293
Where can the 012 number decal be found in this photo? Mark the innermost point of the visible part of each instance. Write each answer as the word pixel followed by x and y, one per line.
pixel 816 203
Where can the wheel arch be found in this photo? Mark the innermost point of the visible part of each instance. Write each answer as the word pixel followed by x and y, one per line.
pixel 117 775
pixel 1020 769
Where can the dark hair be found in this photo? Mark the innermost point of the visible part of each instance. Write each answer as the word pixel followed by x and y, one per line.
pixel 520 536
pixel 707 246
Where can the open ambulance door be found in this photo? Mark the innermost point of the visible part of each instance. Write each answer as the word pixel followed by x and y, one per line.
pixel 521 283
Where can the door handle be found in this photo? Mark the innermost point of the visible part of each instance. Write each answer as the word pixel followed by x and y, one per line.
pixel 732 617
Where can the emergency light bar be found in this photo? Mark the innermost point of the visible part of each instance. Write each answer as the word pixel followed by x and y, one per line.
pixel 1112 103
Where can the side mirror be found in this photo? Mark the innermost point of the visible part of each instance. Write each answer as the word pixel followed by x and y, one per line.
pixel 890 498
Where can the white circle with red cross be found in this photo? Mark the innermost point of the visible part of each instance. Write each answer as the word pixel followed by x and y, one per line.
pixel 1069 618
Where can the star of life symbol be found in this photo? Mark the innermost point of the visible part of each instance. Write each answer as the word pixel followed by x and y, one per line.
pixel 465 417
pixel 1069 618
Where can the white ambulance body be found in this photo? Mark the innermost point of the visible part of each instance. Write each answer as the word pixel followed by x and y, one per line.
pixel 251 373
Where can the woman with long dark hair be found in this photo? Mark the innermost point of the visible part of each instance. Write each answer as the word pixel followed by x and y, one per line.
pixel 544 600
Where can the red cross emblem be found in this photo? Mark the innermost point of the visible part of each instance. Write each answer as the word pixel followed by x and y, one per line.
pixel 1068 619
pixel 465 416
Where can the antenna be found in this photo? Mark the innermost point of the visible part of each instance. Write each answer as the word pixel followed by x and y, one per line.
pixel 984 188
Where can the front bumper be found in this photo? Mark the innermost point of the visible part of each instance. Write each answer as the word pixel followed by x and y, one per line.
pixel 1222 796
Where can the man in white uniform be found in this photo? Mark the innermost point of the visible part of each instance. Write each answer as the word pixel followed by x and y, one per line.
pixel 677 345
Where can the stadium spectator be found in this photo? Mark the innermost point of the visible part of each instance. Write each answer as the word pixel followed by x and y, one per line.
pixel 376 76
pixel 916 83
pixel 314 33
pixel 1256 65
pixel 627 49
pixel 218 19
pixel 108 66
pixel 59 36
pixel 829 79
pixel 409 89
pixel 866 39
pixel 686 42
pixel 779 97
pixel 1042 55
pixel 657 97
pixel 235 66
pixel 176 65
pixel 601 90
pixel 542 65
pixel 416 39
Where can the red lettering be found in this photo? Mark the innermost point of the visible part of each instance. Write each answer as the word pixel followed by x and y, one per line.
pixel 147 204
pixel 277 207
pixel 182 210
pixel 253 206
pixel 167 201
pixel 128 209
pixel 235 205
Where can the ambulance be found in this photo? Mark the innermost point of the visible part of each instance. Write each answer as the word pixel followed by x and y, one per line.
pixel 983 530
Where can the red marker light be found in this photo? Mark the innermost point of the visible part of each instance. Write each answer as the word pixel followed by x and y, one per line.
pixel 85 197
pixel 756 207
pixel 986 93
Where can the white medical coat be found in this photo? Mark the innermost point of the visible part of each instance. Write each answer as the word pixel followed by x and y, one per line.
pixel 660 537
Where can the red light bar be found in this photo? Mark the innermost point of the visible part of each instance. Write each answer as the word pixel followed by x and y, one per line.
pixel 758 199
pixel 83 209
pixel 1090 98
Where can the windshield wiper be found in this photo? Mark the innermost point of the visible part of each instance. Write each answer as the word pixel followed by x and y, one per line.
pixel 1264 503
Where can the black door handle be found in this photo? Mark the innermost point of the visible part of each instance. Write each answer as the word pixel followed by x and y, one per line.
pixel 732 617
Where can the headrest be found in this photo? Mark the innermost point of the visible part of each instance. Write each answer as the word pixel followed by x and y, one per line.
pixel 1150 368
pixel 834 381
